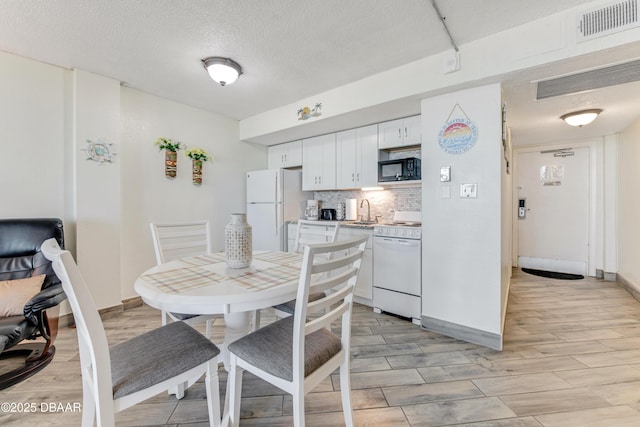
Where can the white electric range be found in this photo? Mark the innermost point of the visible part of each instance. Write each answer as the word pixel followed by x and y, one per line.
pixel 397 266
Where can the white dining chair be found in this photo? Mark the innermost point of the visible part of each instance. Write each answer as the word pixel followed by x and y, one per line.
pixel 118 377
pixel 298 352
pixel 173 241
pixel 308 232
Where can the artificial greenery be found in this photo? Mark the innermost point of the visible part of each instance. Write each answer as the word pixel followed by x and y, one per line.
pixel 167 144
pixel 198 154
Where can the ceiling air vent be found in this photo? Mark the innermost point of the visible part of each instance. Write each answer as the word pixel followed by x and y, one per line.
pixel 607 20
pixel 588 80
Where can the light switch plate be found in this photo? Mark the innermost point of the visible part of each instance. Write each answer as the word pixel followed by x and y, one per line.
pixel 445 174
pixel 468 191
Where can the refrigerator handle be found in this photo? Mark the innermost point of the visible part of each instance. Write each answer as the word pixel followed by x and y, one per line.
pixel 275 207
pixel 275 192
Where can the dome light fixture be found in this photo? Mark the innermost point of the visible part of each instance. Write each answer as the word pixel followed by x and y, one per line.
pixel 581 118
pixel 222 70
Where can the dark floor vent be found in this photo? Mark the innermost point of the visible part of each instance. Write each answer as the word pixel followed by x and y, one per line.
pixel 594 79
pixel 610 19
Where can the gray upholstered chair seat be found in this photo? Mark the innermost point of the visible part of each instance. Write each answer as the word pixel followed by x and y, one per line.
pixel 290 307
pixel 140 362
pixel 271 349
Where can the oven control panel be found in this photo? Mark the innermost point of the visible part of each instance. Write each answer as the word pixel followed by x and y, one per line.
pixel 398 231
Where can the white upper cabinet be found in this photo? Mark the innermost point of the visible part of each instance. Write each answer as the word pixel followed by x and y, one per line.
pixel 285 155
pixel 357 157
pixel 400 133
pixel 319 163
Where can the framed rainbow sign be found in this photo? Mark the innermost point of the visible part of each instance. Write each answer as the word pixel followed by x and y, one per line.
pixel 458 136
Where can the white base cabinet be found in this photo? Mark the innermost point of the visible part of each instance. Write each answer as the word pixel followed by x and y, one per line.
pixel 364 286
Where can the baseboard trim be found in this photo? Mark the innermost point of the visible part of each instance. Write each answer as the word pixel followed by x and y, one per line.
pixel 629 286
pixel 66 320
pixel 465 333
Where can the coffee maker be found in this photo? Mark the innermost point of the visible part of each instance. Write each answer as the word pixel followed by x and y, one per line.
pixel 312 212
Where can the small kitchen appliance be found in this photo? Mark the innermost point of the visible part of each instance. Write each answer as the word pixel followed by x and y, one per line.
pixel 312 212
pixel 328 214
pixel 399 170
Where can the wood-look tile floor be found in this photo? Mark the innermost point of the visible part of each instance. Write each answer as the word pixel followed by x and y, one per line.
pixel 571 358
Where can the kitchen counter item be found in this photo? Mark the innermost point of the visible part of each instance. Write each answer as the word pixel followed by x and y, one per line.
pixel 351 209
pixel 328 214
pixel 341 212
pixel 313 211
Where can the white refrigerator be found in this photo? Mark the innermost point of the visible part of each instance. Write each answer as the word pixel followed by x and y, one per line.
pixel 274 196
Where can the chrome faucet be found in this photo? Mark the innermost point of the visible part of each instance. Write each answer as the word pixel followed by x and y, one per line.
pixel 368 208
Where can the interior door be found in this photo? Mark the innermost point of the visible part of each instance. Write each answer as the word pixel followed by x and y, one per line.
pixel 553 210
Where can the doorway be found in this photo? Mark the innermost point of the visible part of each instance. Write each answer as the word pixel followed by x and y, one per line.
pixel 552 201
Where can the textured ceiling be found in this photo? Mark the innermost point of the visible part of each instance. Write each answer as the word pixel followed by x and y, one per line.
pixel 289 49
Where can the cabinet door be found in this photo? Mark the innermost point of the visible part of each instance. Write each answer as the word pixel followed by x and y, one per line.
pixel 346 159
pixel 293 154
pixel 327 179
pixel 291 236
pixel 367 156
pixel 412 130
pixel 311 164
pixel 364 285
pixel 390 134
pixel 275 156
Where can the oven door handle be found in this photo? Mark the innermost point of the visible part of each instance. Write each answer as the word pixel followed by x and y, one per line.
pixel 388 241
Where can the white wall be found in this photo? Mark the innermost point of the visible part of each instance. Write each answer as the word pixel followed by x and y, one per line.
pixel 96 187
pixel 147 196
pixel 32 169
pixel 462 246
pixel 629 204
pixel 47 115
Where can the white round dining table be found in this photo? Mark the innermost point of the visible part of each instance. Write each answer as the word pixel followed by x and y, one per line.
pixel 205 285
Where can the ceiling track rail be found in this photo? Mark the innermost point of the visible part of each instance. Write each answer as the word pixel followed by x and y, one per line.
pixel 444 24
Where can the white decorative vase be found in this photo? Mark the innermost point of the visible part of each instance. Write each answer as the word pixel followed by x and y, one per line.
pixel 237 241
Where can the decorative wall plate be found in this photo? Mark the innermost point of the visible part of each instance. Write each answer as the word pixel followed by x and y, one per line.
pixel 457 136
pixel 99 151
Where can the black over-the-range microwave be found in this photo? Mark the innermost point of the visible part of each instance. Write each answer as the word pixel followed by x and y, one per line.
pixel 399 170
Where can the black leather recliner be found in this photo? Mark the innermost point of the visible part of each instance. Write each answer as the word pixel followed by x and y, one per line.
pixel 20 257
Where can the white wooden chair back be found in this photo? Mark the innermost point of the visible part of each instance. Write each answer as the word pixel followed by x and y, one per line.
pixel 95 362
pixel 326 266
pixel 308 232
pixel 179 240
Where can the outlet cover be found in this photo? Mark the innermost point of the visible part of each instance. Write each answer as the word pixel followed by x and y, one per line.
pixel 468 191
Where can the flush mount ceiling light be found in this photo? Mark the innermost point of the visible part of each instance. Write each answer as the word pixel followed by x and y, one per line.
pixel 222 70
pixel 581 118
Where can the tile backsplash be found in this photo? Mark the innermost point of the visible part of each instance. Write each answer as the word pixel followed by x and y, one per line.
pixel 383 203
